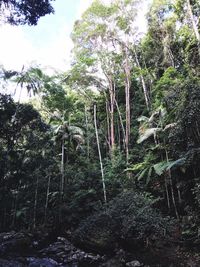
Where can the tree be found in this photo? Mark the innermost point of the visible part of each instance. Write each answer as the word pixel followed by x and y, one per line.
pixel 18 12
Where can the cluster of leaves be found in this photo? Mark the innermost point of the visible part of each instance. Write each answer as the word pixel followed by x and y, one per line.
pixel 27 160
pixel 25 12
pixel 129 219
pixel 161 153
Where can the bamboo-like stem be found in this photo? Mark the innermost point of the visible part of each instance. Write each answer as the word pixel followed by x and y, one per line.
pixel 35 203
pixel 194 25
pixel 121 123
pixel 99 151
pixel 171 186
pixel 87 132
pixel 47 199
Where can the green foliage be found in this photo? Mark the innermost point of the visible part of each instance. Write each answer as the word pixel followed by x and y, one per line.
pixel 165 166
pixel 129 219
pixel 25 12
pixel 26 156
pixel 164 147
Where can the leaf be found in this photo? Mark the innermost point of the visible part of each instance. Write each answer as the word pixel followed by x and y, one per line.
pixel 147 133
pixel 160 167
pixel 74 130
pixel 176 163
pixel 141 174
pixel 149 176
pixel 143 118
pixel 136 167
pixel 164 166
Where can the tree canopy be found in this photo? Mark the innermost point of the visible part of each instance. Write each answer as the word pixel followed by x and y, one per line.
pixel 24 12
pixel 107 153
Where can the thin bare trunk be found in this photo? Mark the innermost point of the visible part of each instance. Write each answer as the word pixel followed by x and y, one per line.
pixel 127 95
pixel 119 133
pixel 62 169
pixel 99 151
pixel 47 199
pixel 121 123
pixel 108 124
pixel 171 186
pixel 194 25
pixel 15 208
pixel 87 132
pixel 62 180
pixel 167 193
pixel 35 203
pixel 179 195
pixel 146 93
pixel 112 107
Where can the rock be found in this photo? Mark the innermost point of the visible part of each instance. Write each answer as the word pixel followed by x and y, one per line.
pixel 112 263
pixel 10 263
pixel 14 242
pixel 46 262
pixel 134 264
pixel 64 251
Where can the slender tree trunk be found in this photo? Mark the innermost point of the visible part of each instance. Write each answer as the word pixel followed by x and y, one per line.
pixel 167 193
pixel 166 184
pixel 121 123
pixel 108 125
pixel 171 186
pixel 62 169
pixel 87 132
pixel 15 208
pixel 47 199
pixel 62 180
pixel 35 203
pixel 119 133
pixel 146 93
pixel 194 25
pixel 127 94
pixel 112 108
pixel 99 151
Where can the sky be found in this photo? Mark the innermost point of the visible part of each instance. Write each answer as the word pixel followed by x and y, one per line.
pixel 48 44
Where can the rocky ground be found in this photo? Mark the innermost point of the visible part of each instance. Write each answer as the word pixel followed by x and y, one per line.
pixel 35 250
pixel 24 250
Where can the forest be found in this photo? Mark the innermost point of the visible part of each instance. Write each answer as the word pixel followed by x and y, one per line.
pixel 101 165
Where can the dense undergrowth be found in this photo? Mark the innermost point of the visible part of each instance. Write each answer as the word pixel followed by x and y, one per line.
pixel 127 175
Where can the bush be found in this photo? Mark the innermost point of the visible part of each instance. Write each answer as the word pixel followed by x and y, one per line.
pixel 129 220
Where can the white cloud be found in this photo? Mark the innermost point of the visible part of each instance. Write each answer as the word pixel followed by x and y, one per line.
pixel 16 50
pixel 57 53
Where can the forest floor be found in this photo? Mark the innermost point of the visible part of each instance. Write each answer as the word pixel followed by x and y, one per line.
pixel 40 249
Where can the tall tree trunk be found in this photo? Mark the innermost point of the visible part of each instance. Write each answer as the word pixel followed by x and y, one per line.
pixel 121 123
pixel 127 95
pixel 172 188
pixel 112 108
pixel 62 168
pixel 62 180
pixel 99 151
pixel 47 199
pixel 15 207
pixel 108 125
pixel 146 93
pixel 167 193
pixel 194 25
pixel 87 132
pixel 35 203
